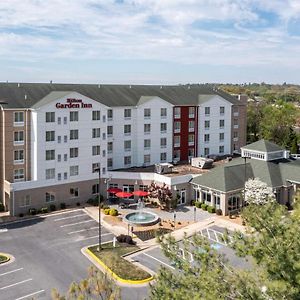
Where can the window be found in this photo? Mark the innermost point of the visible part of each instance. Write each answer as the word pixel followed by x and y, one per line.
pixel 147 128
pixel 95 189
pixel 163 127
pixel 50 136
pixel 95 167
pixel 103 118
pixel 127 113
pixel 50 173
pixel 192 112
pixel 163 113
pixel 19 175
pixel 73 152
pixel 96 150
pixel 96 115
pixel 59 176
pixel 74 192
pixel 177 111
pixel 65 138
pixel 103 136
pixel 65 175
pixel 109 114
pixel 74 170
pixel 221 149
pixel 177 141
pixel 109 147
pixel 18 156
pixel 206 151
pixel 206 124
pixel 109 162
pixel 50 197
pixel 50 117
pixel 18 137
pixel 59 157
pixel 163 157
pixel 59 139
pixel 177 126
pixel 59 120
pixel 25 201
pixel 235 123
pixel 235 111
pixel 147 159
pixel 191 139
pixel 127 145
pixel 222 110
pixel 74 134
pixel 110 131
pixel 147 144
pixel 221 136
pixel 176 155
pixel 222 123
pixel 207 111
pixel 206 138
pixel 191 126
pixel 235 134
pixel 147 113
pixel 127 129
pixel 65 157
pixel 50 154
pixel 163 142
pixel 65 120
pixel 96 133
pixel 74 116
pixel 191 152
pixel 127 160
pixel 103 153
pixel 19 118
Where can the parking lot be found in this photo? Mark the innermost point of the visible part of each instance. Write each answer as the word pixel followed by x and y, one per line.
pixel 154 257
pixel 47 253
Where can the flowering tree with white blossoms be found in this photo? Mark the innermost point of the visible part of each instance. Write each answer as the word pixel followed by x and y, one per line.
pixel 257 192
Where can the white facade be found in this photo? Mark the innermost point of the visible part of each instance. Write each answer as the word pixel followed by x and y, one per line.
pixel 214 117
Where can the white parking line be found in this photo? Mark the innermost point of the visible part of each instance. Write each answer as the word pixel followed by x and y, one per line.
pixel 216 236
pixel 93 237
pixel 16 270
pixel 14 284
pixel 208 233
pixel 70 217
pixel 158 260
pixel 30 295
pixel 82 230
pixel 72 224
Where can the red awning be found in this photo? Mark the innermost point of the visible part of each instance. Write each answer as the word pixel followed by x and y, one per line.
pixel 141 193
pixel 123 195
pixel 113 190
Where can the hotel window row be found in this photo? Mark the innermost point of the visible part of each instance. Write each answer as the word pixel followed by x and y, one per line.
pixel 50 117
pixel 207 124
pixel 207 111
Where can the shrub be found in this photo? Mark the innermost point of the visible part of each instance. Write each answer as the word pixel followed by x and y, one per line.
pixel 219 212
pixel 193 202
pixel 2 207
pixel 113 212
pixel 63 205
pixel 44 210
pixel 211 209
pixel 78 203
pixel 104 206
pixel 204 206
pixel 52 207
pixel 122 238
pixel 32 211
pixel 198 204
pixel 21 215
pixel 107 211
pixel 94 201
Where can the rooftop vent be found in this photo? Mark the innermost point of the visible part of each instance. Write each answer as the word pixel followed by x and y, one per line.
pixel 25 96
pixel 19 85
pixel 99 86
pixel 161 87
pixel 50 81
pixel 130 86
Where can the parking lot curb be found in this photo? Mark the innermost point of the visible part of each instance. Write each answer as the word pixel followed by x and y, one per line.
pixel 8 260
pixel 114 275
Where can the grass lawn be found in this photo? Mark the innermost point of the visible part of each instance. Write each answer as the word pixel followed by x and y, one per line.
pixel 112 258
pixel 3 259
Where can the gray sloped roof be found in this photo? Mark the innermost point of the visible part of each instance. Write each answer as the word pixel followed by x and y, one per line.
pixel 231 176
pixel 109 95
pixel 51 97
pixel 263 146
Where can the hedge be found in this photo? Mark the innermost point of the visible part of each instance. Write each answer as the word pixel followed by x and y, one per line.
pixel 204 206
pixel 211 209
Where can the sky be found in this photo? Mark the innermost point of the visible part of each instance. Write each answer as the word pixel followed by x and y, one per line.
pixel 150 41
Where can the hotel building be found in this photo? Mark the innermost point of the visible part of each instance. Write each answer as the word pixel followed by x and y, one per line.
pixel 55 136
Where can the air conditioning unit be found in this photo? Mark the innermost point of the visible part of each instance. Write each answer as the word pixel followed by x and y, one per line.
pixel 163 168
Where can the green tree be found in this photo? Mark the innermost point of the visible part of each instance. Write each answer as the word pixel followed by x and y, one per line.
pixel 272 244
pixel 97 285
pixel 254 116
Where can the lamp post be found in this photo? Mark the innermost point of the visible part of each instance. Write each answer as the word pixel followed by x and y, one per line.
pixel 99 208
pixel 174 220
pixel 194 213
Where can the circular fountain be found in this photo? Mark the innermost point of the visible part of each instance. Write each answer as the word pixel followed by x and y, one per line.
pixel 141 218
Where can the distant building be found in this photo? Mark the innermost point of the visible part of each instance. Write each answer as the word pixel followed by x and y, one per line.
pixel 223 186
